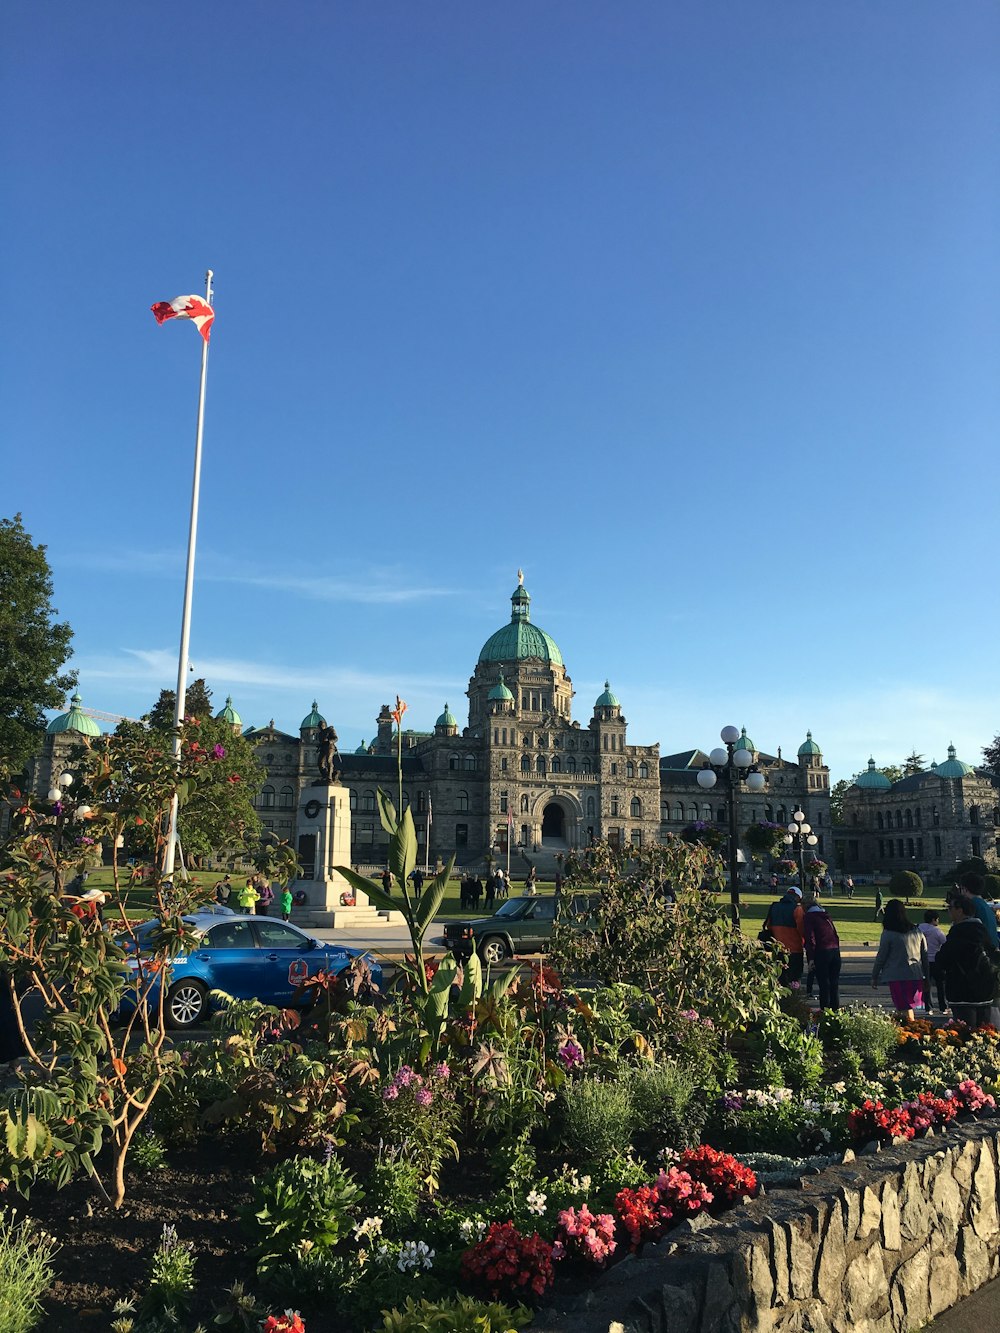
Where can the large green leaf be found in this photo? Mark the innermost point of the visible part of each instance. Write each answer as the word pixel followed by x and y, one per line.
pixel 472 981
pixel 436 1004
pixel 430 903
pixel 375 892
pixel 386 812
pixel 403 850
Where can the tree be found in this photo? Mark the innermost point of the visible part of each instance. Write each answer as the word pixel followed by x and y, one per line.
pixel 991 754
pixel 837 795
pixel 906 884
pixel 197 703
pixel 892 771
pixel 33 646
pixel 913 763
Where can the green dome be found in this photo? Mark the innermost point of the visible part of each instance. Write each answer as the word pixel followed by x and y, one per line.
pixel 229 714
pixel 809 746
pixel 607 699
pixel 745 743
pixel 314 719
pixel 954 768
pixel 500 693
pixel 362 748
pixel 520 639
pixel 872 779
pixel 74 720
pixel 447 719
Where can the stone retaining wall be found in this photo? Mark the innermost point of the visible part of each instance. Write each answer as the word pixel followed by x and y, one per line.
pixel 879 1245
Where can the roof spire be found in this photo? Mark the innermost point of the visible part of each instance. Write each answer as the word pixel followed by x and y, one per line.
pixel 520 578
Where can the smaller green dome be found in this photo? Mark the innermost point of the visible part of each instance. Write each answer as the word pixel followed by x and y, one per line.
pixel 362 748
pixel 745 743
pixel 447 719
pixel 500 693
pixel 872 779
pixel 809 746
pixel 953 767
pixel 229 714
pixel 313 720
pixel 74 720
pixel 607 699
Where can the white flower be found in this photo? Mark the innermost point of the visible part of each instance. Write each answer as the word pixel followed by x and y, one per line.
pixel 472 1228
pixel 536 1202
pixel 368 1229
pixel 414 1254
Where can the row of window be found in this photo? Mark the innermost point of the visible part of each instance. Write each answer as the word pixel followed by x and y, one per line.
pixel 912 818
pixel 681 814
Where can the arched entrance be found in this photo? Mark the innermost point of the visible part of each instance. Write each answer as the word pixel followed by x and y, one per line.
pixel 553 823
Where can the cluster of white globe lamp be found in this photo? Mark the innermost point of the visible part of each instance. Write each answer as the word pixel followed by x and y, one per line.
pixel 61 791
pixel 799 828
pixel 742 759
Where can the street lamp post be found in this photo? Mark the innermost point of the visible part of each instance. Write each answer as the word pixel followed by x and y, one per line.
pixel 799 837
pixel 735 768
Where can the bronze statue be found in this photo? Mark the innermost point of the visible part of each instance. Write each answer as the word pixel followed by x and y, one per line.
pixel 329 756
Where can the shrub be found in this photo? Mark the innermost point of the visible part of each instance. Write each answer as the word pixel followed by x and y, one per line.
pixel 393 1190
pixel 461 1315
pixel 798 1053
pixel 171 1282
pixel 906 884
pixel 871 1034
pixel 300 1200
pixel 667 1109
pixel 507 1263
pixel 26 1272
pixel 418 1113
pixel 595 1120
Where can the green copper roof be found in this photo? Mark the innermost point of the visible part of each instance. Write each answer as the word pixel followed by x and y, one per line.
pixel 229 713
pixel 313 719
pixel 362 748
pixel 809 746
pixel 447 718
pixel 520 639
pixel 745 743
pixel 607 699
pixel 74 720
pixel 954 768
pixel 872 779
pixel 500 693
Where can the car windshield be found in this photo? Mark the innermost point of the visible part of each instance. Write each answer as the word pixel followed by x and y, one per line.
pixel 514 909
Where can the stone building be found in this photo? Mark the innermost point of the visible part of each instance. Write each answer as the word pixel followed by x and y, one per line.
pixel 925 822
pixel 804 786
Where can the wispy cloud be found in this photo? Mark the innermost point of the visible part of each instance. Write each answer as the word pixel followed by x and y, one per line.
pixel 376 590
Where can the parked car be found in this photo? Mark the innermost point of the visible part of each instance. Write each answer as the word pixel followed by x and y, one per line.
pixel 520 925
pixel 248 957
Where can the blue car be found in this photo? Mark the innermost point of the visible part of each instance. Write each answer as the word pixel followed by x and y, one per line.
pixel 248 957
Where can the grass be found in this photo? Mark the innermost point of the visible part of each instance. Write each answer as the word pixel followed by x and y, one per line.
pixel 853 917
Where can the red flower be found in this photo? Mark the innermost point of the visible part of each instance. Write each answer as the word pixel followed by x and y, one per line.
pixel 398 711
pixel 509 1264
pixel 728 1179
pixel 233 777
pixel 289 1322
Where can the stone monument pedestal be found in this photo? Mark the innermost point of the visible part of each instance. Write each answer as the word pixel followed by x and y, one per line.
pixel 324 841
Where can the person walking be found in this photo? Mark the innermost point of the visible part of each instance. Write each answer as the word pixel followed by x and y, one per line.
pixel 965 959
pixel 286 903
pixel 935 937
pixel 491 892
pixel 784 921
pixel 224 891
pixel 476 892
pixel 387 882
pixel 901 960
pixel 503 888
pixel 849 887
pixel 417 879
pixel 265 896
pixel 822 948
pixel 247 897
pixel 974 885
pixel 878 902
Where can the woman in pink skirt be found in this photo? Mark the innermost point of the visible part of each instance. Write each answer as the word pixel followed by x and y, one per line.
pixel 901 960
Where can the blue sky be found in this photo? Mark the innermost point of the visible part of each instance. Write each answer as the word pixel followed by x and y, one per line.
pixel 689 309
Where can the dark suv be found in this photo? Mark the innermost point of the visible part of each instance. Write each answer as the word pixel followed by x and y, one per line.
pixel 520 925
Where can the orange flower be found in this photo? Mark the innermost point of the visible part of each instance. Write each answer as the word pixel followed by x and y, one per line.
pixel 398 711
pixel 233 777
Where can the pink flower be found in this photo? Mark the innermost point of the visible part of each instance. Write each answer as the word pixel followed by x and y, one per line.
pixel 219 751
pixel 423 1097
pixel 390 1093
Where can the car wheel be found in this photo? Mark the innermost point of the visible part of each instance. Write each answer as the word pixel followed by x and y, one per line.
pixel 185 1004
pixel 493 950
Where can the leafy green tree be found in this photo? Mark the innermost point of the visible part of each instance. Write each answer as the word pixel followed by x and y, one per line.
pixel 906 884
pixel 197 703
pixel 837 794
pixel 33 646
pixel 991 755
pixel 913 763
pixel 892 771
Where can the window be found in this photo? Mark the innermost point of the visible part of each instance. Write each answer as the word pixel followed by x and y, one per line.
pixel 605 742
pixel 937 844
pixel 721 814
pixel 570 764
pixel 706 813
pixel 354 799
pixel 678 813
pixel 899 819
pixel 614 805
pixel 899 846
pixel 556 764
pixel 585 765
pixel 540 764
pixel 910 849
pixel 524 835
pixel 525 805
pixel 236 934
pixel 590 807
pixel 496 735
pixel 525 763
pixel 909 819
pixel 276 935
pixel 504 735
pixel 694 814
pixel 463 802
pixel 782 815
pixel 630 769
pixel 635 808
pixel 367 834
pixel 368 800
pixel 977 847
pixel 453 762
pixel 267 798
pixel 469 763
pixel 503 802
pixel 644 770
pixel 614 770
pixel 880 823
pixel 421 802
pixel 636 837
pixel 461 835
pixel 503 764
pixel 916 816
pixel 935 817
pixel 973 814
pixel 285 798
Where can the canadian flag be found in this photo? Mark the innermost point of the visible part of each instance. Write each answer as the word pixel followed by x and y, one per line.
pixel 186 307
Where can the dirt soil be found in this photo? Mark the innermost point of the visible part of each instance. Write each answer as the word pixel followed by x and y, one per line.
pixel 106 1255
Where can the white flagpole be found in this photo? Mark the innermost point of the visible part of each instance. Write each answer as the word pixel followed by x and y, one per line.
pixel 427 849
pixel 182 660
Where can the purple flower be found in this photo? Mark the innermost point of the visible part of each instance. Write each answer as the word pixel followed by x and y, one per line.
pixel 571 1054
pixel 442 1071
pixel 732 1101
pixel 404 1077
pixel 690 1014
pixel 219 751
pixel 424 1097
pixel 390 1093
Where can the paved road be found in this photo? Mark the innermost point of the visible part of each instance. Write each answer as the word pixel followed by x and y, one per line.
pixel 978 1313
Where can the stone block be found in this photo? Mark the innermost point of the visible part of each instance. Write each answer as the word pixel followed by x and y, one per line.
pixel 679 1309
pixel 908 1291
pixel 890 1216
pixel 801 1256
pixel 862 1281
pixel 832 1258
pixel 947 1204
pixel 871 1213
pixel 752 1278
pixel 851 1200
pixel 973 1256
pixel 779 1264
pixel 945 1284
pixel 914 1210
pixel 983 1209
pixel 719 1297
